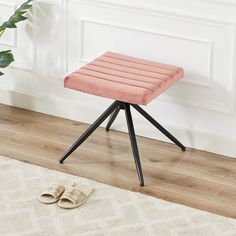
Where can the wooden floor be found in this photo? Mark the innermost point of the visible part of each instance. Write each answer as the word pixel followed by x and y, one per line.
pixel 198 179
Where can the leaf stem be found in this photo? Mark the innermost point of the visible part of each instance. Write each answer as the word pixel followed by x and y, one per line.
pixel 2 32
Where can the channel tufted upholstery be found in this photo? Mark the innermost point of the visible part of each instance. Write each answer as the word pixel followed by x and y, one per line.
pixel 124 78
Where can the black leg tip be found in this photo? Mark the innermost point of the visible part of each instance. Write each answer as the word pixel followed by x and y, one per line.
pixel 107 129
pixel 183 149
pixel 61 162
pixel 141 184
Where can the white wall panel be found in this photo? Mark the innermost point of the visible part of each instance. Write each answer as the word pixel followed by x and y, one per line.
pixel 19 41
pixel 202 47
pixel 9 38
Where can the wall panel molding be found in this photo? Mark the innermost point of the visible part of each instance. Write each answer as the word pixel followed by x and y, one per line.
pixel 221 99
pixel 12 42
pixel 17 44
pixel 206 83
pixel 165 12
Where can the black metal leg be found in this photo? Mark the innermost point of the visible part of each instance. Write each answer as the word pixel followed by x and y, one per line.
pixel 89 131
pixel 112 118
pixel 134 143
pixel 158 126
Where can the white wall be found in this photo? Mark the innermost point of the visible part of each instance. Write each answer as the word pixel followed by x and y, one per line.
pixel 199 35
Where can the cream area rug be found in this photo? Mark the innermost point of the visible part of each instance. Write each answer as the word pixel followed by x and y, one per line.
pixel 108 211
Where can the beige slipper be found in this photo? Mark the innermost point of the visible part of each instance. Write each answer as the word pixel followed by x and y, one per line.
pixel 52 194
pixel 74 196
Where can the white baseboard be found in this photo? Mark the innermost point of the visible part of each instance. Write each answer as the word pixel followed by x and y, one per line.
pixel 88 113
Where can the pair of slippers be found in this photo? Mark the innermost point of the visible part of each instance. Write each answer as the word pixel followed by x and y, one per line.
pixel 67 197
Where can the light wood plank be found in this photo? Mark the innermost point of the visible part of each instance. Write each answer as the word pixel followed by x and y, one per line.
pixel 195 178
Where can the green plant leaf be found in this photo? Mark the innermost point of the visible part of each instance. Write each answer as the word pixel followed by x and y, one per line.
pixel 6 58
pixel 16 17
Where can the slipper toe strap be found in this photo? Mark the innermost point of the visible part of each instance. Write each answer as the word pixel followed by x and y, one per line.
pixel 74 195
pixel 55 191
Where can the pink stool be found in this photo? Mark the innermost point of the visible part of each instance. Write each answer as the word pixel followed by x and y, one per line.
pixel 130 82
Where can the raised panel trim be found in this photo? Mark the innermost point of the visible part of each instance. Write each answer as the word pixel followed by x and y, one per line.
pixel 228 106
pixel 166 12
pixel 29 66
pixel 13 42
pixel 22 64
pixel 207 84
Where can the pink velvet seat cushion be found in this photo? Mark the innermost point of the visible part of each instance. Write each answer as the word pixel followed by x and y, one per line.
pixel 124 78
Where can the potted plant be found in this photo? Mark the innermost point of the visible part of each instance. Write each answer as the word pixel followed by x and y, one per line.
pixel 6 57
